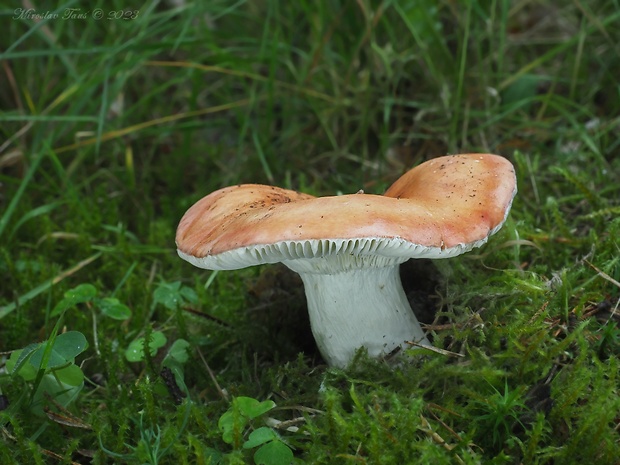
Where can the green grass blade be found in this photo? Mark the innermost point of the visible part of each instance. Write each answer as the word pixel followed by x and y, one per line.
pixel 6 216
pixel 5 310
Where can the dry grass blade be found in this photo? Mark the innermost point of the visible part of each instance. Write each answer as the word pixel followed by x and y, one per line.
pixel 154 122
pixel 435 349
pixel 605 276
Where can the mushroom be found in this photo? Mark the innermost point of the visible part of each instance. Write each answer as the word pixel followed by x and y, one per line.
pixel 348 248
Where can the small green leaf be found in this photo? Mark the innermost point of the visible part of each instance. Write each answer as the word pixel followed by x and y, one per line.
pixel 169 295
pixel 135 351
pixel 274 453
pixel 178 351
pixel 189 294
pixel 238 415
pixel 232 424
pixel 226 424
pixel 113 308
pixel 252 408
pixel 175 359
pixel 80 294
pixel 62 385
pixel 16 364
pixel 173 295
pixel 259 437
pixel 65 348
pixel 70 344
pixel 70 375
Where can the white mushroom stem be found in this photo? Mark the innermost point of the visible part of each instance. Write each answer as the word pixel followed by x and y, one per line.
pixel 357 301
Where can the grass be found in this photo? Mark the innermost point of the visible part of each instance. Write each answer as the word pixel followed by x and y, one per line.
pixel 112 128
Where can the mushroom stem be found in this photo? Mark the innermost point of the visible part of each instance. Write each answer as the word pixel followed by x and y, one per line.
pixel 352 307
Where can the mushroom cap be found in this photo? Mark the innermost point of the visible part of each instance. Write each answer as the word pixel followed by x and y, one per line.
pixel 439 209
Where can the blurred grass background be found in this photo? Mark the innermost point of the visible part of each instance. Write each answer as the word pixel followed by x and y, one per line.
pixel 111 127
